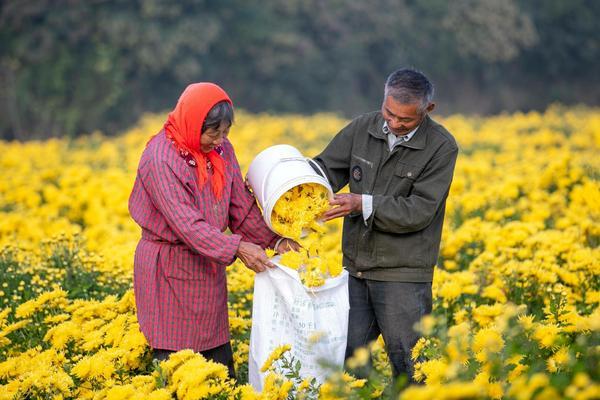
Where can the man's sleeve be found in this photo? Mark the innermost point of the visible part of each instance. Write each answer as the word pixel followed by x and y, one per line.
pixel 335 159
pixel 415 212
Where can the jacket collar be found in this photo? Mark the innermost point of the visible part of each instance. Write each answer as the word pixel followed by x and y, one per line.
pixel 418 141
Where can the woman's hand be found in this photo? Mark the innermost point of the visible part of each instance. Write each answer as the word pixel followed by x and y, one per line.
pixel 254 257
pixel 286 245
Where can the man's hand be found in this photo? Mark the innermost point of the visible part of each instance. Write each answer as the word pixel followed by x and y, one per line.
pixel 286 245
pixel 254 257
pixel 346 203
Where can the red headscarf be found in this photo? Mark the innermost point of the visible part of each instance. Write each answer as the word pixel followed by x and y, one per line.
pixel 184 126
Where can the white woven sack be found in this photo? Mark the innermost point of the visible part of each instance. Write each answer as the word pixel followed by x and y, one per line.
pixel 287 312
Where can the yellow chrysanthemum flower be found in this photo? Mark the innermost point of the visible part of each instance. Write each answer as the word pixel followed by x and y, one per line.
pixel 275 355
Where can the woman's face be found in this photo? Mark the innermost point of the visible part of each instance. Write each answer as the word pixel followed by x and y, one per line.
pixel 213 137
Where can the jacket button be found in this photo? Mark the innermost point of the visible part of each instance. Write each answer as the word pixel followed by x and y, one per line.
pixel 359 274
pixel 409 174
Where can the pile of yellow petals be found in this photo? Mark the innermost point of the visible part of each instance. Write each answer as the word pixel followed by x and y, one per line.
pixel 296 215
pixel 297 211
pixel 313 270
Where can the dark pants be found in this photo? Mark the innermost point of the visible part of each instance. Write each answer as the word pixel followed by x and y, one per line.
pixel 221 354
pixel 390 309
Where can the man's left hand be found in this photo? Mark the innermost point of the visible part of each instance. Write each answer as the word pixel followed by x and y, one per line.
pixel 346 203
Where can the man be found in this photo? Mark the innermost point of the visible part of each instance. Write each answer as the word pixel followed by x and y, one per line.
pixel 399 164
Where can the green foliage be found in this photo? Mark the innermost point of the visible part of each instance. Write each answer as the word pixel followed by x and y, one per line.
pixel 61 263
pixel 80 276
pixel 16 284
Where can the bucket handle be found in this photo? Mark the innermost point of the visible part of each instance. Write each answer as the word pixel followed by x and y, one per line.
pixel 316 164
pixel 262 194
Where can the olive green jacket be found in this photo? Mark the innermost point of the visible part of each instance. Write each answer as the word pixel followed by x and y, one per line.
pixel 401 239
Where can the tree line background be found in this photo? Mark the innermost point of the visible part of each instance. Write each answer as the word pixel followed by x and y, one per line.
pixel 69 67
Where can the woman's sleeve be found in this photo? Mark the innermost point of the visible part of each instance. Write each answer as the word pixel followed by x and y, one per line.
pixel 176 203
pixel 245 217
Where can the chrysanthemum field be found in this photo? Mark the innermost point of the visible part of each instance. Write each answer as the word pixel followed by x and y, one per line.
pixel 516 291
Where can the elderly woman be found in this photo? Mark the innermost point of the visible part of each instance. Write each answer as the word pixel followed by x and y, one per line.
pixel 188 191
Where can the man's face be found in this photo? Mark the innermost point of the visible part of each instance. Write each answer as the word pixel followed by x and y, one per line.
pixel 402 118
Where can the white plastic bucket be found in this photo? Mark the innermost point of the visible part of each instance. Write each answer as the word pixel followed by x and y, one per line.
pixel 276 170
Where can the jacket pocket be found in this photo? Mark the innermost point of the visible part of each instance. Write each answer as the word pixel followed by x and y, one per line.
pixel 194 300
pixel 184 264
pixel 399 250
pixel 403 179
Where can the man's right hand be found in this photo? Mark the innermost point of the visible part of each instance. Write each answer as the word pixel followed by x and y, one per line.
pixel 253 256
pixel 346 203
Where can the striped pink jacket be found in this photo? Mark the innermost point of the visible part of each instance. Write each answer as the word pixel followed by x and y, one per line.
pixel 179 268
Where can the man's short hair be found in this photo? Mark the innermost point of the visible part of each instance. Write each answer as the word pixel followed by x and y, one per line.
pixel 409 86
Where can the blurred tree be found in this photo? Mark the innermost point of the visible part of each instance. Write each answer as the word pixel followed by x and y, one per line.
pixel 564 64
pixel 57 74
pixel 489 30
pixel 73 66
